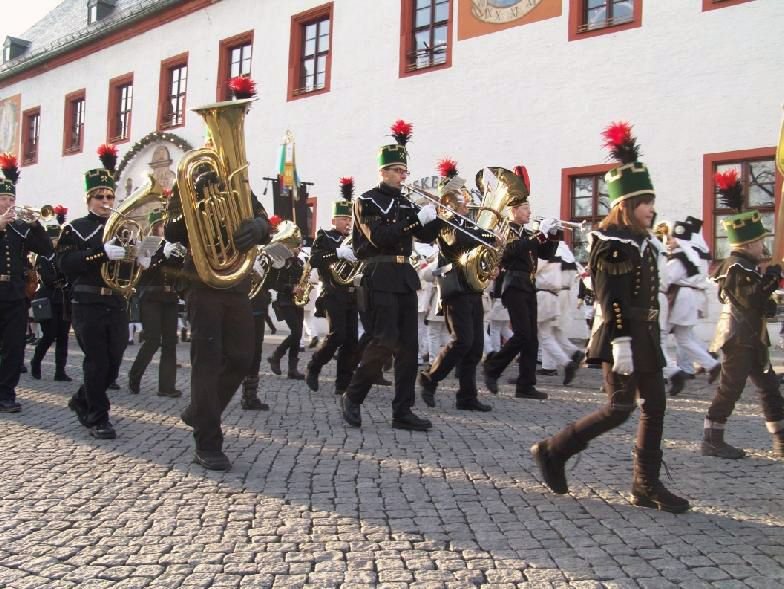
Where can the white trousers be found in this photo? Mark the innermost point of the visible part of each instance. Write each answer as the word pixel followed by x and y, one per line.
pixel 498 330
pixel 553 354
pixel 437 337
pixel 691 350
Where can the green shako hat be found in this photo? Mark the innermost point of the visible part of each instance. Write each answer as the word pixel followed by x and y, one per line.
pixel 342 208
pixel 10 169
pixel 396 154
pixel 155 216
pixel 745 226
pixel 102 177
pixel 631 178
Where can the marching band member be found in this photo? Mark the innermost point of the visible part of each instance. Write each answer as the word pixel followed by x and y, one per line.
pixel 460 303
pixel 742 333
pixel 498 329
pixel 99 315
pixel 424 253
pixel 687 283
pixel 385 224
pixel 54 287
pixel 17 238
pixel 518 293
pixel 221 343
pixel 338 301
pixel 158 302
pixel 624 269
pixel 285 281
pixel 437 333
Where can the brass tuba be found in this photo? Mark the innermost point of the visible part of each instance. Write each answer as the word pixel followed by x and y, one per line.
pixel 480 263
pixel 286 239
pixel 216 198
pixel 127 226
pixel 344 272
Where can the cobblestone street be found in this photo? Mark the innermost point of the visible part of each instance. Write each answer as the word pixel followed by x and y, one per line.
pixel 311 502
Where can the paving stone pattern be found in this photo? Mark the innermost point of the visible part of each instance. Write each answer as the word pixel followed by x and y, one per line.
pixel 311 502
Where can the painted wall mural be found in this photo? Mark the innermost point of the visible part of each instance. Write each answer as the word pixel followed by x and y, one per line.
pixel 480 17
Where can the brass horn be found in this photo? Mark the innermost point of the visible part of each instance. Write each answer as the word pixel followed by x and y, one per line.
pixel 216 198
pixel 128 226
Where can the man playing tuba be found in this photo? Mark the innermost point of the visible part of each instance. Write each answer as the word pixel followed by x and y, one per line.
pixel 460 303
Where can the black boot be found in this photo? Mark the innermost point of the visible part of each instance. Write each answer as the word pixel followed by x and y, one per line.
pixel 35 368
pixel 294 373
pixel 648 490
pixel 713 444
pixel 677 382
pixel 312 377
pixel 61 376
pixel 250 398
pixel 551 455
pixel 428 389
pixel 274 362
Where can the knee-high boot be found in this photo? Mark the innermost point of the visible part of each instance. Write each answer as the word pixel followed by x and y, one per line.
pixel 551 455
pixel 250 397
pixel 648 490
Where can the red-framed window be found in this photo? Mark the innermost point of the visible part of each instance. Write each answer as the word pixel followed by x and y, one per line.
pixel 425 36
pixel 172 92
pixel 235 54
pixel 73 122
pixel 118 125
pixel 761 191
pixel 31 133
pixel 714 4
pixel 590 18
pixel 310 52
pixel 584 198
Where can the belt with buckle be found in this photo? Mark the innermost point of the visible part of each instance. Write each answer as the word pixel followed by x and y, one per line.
pixel 643 314
pixel 5 278
pixel 387 260
pixel 99 290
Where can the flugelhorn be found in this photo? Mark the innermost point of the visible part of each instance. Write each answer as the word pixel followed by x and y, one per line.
pixel 573 225
pixel 27 214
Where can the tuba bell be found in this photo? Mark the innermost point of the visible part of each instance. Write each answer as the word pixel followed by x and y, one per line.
pixel 215 193
pixel 507 189
pixel 127 227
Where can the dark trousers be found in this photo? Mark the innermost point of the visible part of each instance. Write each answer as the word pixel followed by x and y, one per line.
pixel 221 352
pixel 739 363
pixel 102 333
pixel 622 393
pixel 293 316
pixel 465 320
pixel 259 323
pixel 393 332
pixel 342 338
pixel 159 322
pixel 54 330
pixel 524 341
pixel 13 326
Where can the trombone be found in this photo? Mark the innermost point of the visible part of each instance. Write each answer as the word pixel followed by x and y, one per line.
pixel 433 199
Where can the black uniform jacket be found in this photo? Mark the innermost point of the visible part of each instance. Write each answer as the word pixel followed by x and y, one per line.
pixel 159 282
pixel 385 225
pixel 80 255
pixel 744 292
pixel 452 244
pixel 625 279
pixel 520 257
pixel 323 253
pixel 16 241
pixel 53 284
pixel 283 280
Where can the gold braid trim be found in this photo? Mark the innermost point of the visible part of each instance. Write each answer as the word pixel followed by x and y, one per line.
pixel 614 268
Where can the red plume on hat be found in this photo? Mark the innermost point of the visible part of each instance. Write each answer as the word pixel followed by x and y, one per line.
pixel 522 172
pixel 107 153
pixel 730 189
pixel 275 220
pixel 242 87
pixel 59 210
pixel 347 187
pixel 447 168
pixel 618 139
pixel 10 167
pixel 402 131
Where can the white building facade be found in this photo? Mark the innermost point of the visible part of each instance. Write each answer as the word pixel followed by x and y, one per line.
pixel 485 82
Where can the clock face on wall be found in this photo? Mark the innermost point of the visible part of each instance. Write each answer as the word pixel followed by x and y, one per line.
pixel 502 11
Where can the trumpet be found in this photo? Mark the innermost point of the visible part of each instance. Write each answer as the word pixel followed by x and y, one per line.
pixel 27 214
pixel 433 199
pixel 573 225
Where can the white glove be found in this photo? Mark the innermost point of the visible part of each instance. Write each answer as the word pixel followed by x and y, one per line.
pixel 172 248
pixel 346 253
pixel 114 252
pixel 427 214
pixel 143 261
pixel 549 225
pixel 623 363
